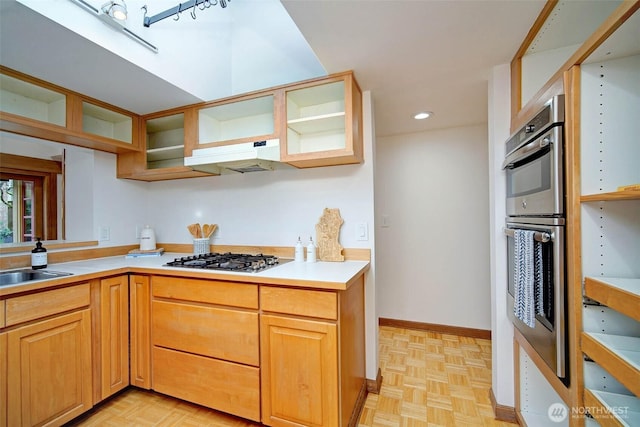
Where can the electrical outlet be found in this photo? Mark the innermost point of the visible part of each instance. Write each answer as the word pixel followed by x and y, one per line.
pixel 104 233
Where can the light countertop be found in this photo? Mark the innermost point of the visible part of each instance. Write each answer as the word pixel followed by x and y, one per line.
pixel 320 275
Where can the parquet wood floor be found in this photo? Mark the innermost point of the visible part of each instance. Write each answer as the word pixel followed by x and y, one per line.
pixel 429 379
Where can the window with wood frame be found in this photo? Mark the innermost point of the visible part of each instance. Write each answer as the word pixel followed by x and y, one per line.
pixel 28 198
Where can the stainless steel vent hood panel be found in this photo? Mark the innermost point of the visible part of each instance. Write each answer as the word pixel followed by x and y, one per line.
pixel 245 157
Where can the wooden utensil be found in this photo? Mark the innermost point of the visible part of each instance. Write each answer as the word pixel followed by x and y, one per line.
pixel 208 229
pixel 195 230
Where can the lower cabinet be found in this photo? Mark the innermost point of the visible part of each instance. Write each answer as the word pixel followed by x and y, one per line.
pixel 299 372
pixel 113 318
pixel 49 370
pixel 3 378
pixel 205 343
pixel 139 331
pixel 312 353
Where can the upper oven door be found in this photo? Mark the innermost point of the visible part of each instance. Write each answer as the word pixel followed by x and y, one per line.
pixel 534 177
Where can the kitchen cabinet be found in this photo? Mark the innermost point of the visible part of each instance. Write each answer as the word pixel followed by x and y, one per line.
pixel 32 107
pixel 166 136
pixel 48 356
pixel 4 388
pixel 112 336
pixel 140 331
pixel 206 343
pixel 312 355
pixel 605 256
pixel 323 125
pixel 247 118
pixel 548 51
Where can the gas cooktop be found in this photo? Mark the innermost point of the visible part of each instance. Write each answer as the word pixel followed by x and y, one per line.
pixel 227 261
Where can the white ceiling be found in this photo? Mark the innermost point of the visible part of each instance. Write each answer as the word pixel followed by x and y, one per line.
pixel 411 54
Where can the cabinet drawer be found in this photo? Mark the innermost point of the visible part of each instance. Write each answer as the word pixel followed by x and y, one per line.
pixel 209 291
pixel 300 302
pixel 220 385
pixel 41 304
pixel 209 331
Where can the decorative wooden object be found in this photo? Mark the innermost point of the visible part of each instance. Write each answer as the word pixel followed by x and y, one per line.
pixel 328 234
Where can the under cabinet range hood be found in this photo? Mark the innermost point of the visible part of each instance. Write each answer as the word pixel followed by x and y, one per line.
pixel 245 157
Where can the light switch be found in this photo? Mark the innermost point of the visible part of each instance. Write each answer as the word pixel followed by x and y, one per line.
pixel 104 233
pixel 362 232
pixel 386 221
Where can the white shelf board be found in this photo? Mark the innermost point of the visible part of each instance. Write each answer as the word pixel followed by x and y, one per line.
pixel 321 123
pixel 628 285
pixel 626 408
pixel 165 153
pixel 627 348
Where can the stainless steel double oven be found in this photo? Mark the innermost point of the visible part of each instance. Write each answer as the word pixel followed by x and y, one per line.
pixel 535 202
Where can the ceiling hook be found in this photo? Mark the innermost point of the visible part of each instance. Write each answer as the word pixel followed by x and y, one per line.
pixel 178 12
pixel 193 12
pixel 202 6
pixel 145 11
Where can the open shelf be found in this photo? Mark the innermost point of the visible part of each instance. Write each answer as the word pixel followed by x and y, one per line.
pixel 31 101
pixel 100 121
pixel 620 294
pixel 243 119
pixel 321 123
pixel 619 355
pixel 611 196
pixel 613 409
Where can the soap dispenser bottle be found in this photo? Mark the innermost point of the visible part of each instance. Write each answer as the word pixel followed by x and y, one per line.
pixel 299 252
pixel 38 256
pixel 311 251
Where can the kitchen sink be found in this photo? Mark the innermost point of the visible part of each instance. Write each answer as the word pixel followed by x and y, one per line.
pixel 27 275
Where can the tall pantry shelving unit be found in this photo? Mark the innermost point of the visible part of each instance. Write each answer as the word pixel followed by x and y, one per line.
pixel 606 156
pixel 602 104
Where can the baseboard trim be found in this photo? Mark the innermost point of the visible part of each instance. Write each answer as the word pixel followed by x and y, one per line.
pixel 502 412
pixel 373 386
pixel 443 329
pixel 360 401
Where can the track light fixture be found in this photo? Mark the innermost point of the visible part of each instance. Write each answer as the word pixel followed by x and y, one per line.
pixel 115 9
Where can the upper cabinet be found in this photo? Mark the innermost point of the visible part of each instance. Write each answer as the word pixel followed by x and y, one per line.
pixel 323 125
pixel 316 122
pixel 165 136
pixel 557 40
pixel 244 119
pixel 31 107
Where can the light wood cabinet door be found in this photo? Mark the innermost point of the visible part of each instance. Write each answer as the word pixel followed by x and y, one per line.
pixel 139 327
pixel 3 380
pixel 49 370
pixel 114 334
pixel 299 368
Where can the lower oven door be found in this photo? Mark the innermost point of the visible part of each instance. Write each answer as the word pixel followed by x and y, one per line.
pixel 548 336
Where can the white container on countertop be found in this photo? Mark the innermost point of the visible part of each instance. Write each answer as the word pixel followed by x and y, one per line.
pixel 311 251
pixel 147 239
pixel 299 251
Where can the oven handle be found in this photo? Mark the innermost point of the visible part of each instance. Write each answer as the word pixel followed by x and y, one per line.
pixel 539 236
pixel 526 151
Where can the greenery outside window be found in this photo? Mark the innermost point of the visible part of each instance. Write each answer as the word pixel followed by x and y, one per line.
pixel 28 198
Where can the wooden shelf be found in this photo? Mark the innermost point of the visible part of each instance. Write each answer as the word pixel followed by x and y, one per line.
pixel 613 409
pixel 612 196
pixel 618 355
pixel 620 294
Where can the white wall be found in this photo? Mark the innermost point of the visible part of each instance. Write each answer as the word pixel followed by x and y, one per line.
pixel 433 257
pixel 502 383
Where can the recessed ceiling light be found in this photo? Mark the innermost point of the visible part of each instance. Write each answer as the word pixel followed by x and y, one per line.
pixel 423 115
